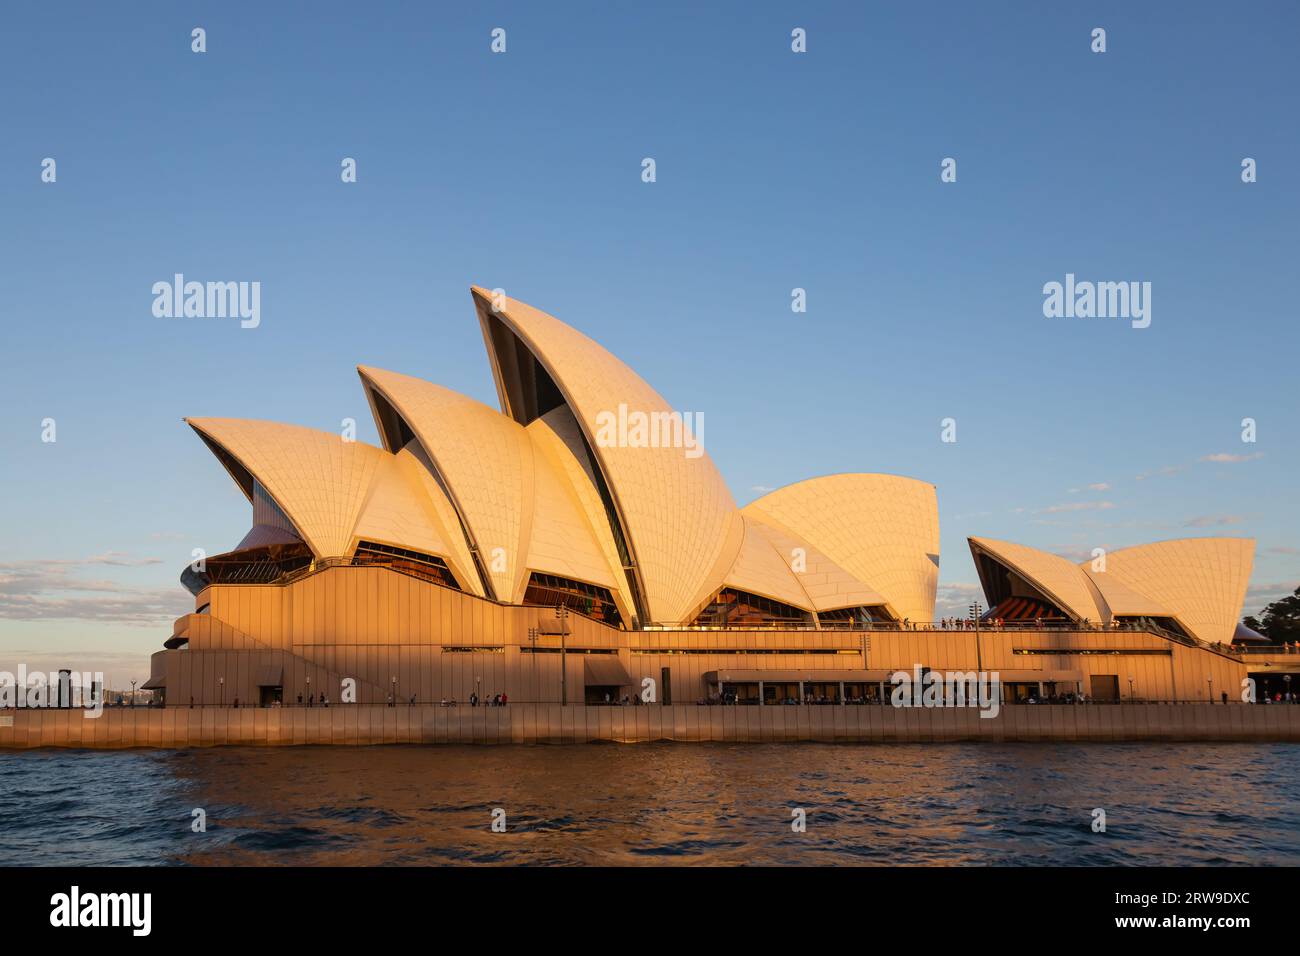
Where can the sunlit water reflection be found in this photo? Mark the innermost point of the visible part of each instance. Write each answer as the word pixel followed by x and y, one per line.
pixel 1022 804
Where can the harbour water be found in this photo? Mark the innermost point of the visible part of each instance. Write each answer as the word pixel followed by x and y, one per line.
pixel 922 804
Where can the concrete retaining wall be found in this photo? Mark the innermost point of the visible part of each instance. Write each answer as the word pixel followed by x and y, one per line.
pixel 551 723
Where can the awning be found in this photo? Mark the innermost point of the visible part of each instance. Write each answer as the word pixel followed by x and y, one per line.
pixel 605 670
pixel 1047 677
pixel 270 675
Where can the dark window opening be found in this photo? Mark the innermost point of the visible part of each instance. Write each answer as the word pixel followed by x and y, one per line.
pixel 1010 596
pixel 392 426
pixel 616 529
pixel 1024 609
pixel 849 617
pixel 589 600
pixel 263 565
pixel 732 608
pixel 427 567
pixel 529 389
pixel 268 513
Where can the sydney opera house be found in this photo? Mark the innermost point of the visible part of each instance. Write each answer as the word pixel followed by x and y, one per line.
pixel 539 553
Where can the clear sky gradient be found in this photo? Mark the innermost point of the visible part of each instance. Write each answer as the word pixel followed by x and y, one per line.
pixel 775 170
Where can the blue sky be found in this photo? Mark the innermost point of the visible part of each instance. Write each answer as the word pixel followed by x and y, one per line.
pixel 775 170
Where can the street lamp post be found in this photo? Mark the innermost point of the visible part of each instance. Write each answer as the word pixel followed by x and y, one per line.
pixel 393 693
pixel 221 682
pixel 1210 680
pixel 532 638
pixel 133 693
pixel 975 616
pixel 562 613
pixel 1286 680
pixel 1130 686
pixel 309 690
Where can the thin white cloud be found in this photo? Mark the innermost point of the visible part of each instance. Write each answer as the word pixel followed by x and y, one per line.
pixel 121 559
pixel 1076 506
pixel 1165 472
pixel 115 558
pixel 1224 457
pixel 1212 521
pixel 49 589
pixel 1259 596
pixel 1075 553
pixel 954 600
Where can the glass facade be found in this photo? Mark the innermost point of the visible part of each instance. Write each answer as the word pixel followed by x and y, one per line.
pixel 589 600
pixel 732 608
pixel 427 567
pixel 850 617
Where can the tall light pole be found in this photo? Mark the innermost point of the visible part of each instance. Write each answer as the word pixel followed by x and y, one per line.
pixel 1210 680
pixel 133 692
pixel 393 694
pixel 1130 686
pixel 562 613
pixel 532 637
pixel 975 616
pixel 221 682
pixel 308 690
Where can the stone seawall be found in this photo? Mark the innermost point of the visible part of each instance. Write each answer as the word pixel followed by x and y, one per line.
pixel 550 723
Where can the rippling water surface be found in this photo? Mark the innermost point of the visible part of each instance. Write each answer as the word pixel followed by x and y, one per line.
pixel 1022 804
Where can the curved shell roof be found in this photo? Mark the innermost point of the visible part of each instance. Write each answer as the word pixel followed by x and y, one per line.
pixel 557 438
pixel 761 569
pixel 497 495
pixel 406 508
pixel 1202 581
pixel 882 529
pixel 1062 581
pixel 316 478
pixel 827 585
pixel 1122 600
pixel 562 540
pixel 678 517
pixel 485 461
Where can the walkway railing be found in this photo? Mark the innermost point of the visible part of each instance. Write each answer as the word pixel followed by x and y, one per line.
pixel 874 702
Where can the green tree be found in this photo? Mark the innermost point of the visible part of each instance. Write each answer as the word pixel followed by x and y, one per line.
pixel 1280 621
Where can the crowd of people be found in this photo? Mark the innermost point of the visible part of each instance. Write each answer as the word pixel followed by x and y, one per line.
pixel 1000 623
pixel 810 700
pixel 496 700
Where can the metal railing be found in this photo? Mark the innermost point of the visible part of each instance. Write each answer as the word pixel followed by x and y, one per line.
pixel 463 705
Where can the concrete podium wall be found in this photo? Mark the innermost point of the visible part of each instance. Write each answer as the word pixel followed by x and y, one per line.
pixel 551 723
